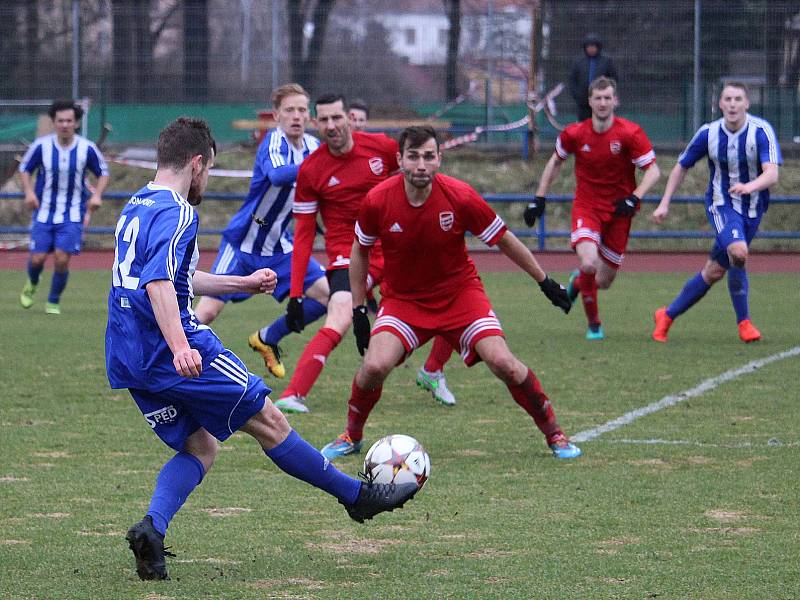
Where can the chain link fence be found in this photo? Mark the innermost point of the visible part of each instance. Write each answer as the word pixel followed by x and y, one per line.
pixel 400 56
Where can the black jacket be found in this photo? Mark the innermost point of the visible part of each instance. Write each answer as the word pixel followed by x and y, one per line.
pixel 579 76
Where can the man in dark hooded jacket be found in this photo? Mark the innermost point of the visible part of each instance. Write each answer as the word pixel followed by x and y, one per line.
pixel 586 69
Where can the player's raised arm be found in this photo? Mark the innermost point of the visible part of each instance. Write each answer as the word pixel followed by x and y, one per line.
pixel 514 249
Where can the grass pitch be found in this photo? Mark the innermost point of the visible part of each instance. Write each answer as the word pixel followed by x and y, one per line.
pixel 696 501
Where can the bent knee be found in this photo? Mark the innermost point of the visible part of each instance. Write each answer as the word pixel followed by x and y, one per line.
pixel 374 372
pixel 504 367
pixel 204 447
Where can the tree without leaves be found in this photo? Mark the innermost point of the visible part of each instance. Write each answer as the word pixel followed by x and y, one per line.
pixel 304 66
pixel 453 8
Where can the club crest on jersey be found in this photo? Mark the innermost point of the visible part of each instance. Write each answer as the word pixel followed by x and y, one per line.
pixel 446 220
pixel 615 146
pixel 161 416
pixel 376 165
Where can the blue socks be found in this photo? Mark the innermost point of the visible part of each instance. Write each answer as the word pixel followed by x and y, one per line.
pixel 694 289
pixel 178 477
pixel 277 330
pixel 300 459
pixel 57 286
pixel 34 273
pixel 738 286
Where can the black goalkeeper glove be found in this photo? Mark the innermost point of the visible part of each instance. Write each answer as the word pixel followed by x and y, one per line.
pixel 556 293
pixel 361 328
pixel 534 210
pixel 626 207
pixel 294 315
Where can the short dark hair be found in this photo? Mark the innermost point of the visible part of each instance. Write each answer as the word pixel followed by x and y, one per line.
pixel 359 104
pixel 330 99
pixel 737 84
pixel 416 135
pixel 602 83
pixel 183 139
pixel 59 105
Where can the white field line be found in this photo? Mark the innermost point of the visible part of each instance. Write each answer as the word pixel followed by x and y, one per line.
pixel 667 401
pixel 658 442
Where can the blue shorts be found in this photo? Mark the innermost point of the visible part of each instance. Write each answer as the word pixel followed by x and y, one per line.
pixel 730 227
pixel 221 400
pixel 46 237
pixel 230 261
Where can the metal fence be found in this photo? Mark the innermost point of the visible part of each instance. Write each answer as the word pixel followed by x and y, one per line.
pixel 542 232
pixel 399 56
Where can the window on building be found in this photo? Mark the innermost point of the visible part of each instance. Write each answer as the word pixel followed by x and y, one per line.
pixel 411 36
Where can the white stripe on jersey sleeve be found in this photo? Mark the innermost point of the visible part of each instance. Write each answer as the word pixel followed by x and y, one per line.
pixel 23 164
pixel 101 160
pixel 363 238
pixel 644 159
pixel 487 234
pixel 771 138
pixel 184 220
pixel 562 154
pixel 275 148
pixel 304 208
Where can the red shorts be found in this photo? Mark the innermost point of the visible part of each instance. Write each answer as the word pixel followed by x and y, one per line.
pixel 608 231
pixel 461 328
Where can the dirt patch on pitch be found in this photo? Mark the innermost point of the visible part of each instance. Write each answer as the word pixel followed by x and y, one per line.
pixel 489 553
pixel 12 479
pixel 612 546
pixel 725 530
pixel 231 511
pixel 309 584
pixel 724 516
pixel 351 546
pixel 13 542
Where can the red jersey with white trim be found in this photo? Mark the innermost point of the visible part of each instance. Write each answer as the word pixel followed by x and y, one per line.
pixel 425 255
pixel 605 163
pixel 336 185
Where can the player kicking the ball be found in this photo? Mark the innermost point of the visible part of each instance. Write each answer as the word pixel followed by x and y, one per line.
pixel 607 151
pixel 191 390
pixel 431 287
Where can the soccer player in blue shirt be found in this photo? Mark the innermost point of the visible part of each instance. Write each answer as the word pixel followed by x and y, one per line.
pixel 191 390
pixel 257 235
pixel 743 160
pixel 59 198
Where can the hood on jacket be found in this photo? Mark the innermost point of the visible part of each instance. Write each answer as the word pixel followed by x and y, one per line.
pixel 593 38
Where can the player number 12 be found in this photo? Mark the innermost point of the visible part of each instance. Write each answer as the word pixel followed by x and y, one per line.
pixel 120 272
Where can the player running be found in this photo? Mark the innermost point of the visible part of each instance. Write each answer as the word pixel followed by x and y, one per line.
pixel 59 199
pixel 431 287
pixel 191 390
pixel 607 150
pixel 743 161
pixel 257 237
pixel 332 182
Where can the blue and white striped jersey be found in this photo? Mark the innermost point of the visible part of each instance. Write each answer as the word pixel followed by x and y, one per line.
pixel 270 197
pixel 61 178
pixel 155 239
pixel 734 158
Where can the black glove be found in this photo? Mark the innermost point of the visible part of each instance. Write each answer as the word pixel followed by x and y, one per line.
pixel 534 210
pixel 556 293
pixel 294 315
pixel 626 207
pixel 361 328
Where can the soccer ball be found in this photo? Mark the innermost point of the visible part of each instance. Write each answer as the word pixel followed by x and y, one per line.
pixel 397 459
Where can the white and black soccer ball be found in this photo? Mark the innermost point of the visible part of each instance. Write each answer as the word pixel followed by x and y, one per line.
pixel 397 458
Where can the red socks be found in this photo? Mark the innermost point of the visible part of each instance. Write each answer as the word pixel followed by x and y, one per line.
pixel 588 288
pixel 312 362
pixel 440 354
pixel 531 397
pixel 358 408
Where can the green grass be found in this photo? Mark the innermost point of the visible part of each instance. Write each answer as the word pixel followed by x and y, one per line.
pixel 713 518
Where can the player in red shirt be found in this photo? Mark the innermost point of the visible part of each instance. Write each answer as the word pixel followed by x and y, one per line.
pixel 607 151
pixel 431 287
pixel 333 181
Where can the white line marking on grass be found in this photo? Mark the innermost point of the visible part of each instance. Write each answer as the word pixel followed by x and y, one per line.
pixel 667 401
pixel 658 442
